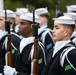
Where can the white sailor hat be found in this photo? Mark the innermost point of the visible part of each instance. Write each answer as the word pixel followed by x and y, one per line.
pixel 72 15
pixel 1 14
pixel 71 7
pixel 9 13
pixel 64 20
pixel 29 17
pixel 41 11
pixel 22 11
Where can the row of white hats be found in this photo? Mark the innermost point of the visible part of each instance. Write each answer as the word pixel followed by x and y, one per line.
pixel 25 14
pixel 64 20
pixel 72 15
pixel 12 14
pixel 68 18
pixel 29 16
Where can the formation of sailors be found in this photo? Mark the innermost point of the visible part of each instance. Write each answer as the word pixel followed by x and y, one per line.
pixel 56 47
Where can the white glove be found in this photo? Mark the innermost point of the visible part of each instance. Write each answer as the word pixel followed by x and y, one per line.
pixel 9 70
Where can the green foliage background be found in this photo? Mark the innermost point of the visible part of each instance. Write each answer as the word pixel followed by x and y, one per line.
pixel 50 4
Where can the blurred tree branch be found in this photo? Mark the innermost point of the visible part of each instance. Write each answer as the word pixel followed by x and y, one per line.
pixel 50 4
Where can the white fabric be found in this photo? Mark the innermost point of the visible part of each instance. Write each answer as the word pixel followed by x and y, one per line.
pixel 25 41
pixel 10 14
pixel 41 45
pixel 64 20
pixel 16 28
pixel 29 17
pixel 5 43
pixel 2 33
pixel 22 11
pixel 1 74
pixel 41 11
pixel 1 14
pixel 71 7
pixel 32 51
pixel 9 70
pixel 32 64
pixel 41 29
pixel 72 15
pixel 59 45
pixel 74 41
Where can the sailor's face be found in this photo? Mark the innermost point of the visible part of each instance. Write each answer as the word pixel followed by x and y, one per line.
pixel 25 28
pixel 2 25
pixel 17 18
pixel 58 32
pixel 43 20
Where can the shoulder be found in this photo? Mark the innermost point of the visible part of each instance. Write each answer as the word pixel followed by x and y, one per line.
pixel 47 30
pixel 72 53
pixel 13 34
pixel 68 54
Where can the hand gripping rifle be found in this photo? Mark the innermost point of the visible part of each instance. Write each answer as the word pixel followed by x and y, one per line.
pixel 34 61
pixel 8 55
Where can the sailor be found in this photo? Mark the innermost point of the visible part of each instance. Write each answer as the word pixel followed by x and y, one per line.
pixel 63 60
pixel 73 16
pixel 3 41
pixel 44 32
pixel 71 8
pixel 19 11
pixel 23 63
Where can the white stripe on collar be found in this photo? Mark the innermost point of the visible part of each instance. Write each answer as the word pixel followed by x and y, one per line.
pixel 59 45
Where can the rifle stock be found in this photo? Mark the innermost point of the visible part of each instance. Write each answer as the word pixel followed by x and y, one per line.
pixel 8 55
pixel 34 62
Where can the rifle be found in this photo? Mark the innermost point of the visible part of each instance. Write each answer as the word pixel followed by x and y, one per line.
pixel 58 12
pixel 34 61
pixel 8 55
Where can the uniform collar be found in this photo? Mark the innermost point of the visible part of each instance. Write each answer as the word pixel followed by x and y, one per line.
pixel 43 26
pixel 2 33
pixel 41 29
pixel 25 41
pixel 59 45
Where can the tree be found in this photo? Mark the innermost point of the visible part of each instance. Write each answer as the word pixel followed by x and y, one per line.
pixel 50 4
